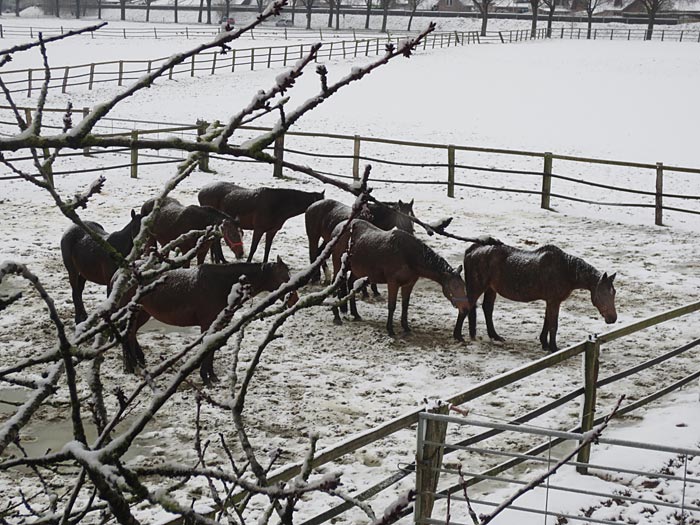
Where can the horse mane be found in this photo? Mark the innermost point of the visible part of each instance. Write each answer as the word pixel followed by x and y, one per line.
pixel 427 254
pixel 577 265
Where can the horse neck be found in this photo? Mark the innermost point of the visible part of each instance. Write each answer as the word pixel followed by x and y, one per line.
pixel 586 277
pixel 426 263
pixel 122 240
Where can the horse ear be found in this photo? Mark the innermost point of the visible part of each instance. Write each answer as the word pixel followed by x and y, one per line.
pixel 411 203
pixel 133 214
pixel 279 260
pixel 458 271
pixel 612 277
pixel 605 276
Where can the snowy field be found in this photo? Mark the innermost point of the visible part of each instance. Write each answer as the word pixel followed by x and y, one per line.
pixel 578 98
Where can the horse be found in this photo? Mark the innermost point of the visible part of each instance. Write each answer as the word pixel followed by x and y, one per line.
pixel 196 296
pixel 322 216
pixel 263 210
pixel 174 219
pixel 86 260
pixel 546 273
pixel 398 259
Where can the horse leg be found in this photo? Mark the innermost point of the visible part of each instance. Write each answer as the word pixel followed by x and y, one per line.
pixel 353 301
pixel 206 369
pixel 132 351
pixel 375 290
pixel 313 255
pixel 552 319
pixel 257 235
pixel 77 284
pixel 392 292
pixel 405 298
pixel 457 332
pixel 268 243
pixel 217 253
pixel 489 300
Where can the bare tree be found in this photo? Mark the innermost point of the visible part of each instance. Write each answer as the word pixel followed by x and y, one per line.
pixel 308 4
pixel 652 8
pixel 484 7
pixel 294 9
pixel 591 7
pixel 338 4
pixel 122 10
pixel 535 7
pixel 331 7
pixel 413 5
pixel 551 7
pixel 385 13
pixel 89 477
pixel 368 12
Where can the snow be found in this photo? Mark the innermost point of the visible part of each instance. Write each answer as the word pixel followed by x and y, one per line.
pixel 577 98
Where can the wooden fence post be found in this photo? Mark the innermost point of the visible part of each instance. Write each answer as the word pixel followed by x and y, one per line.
pixel 590 377
pixel 86 112
pixel 546 181
pixel 428 462
pixel 29 82
pixel 192 67
pixel 92 76
pixel 356 158
pixel 252 58
pixel 279 157
pixel 65 79
pixel 202 126
pixel 121 72
pixel 658 220
pixel 233 60
pixel 450 171
pixel 134 155
pixel 213 64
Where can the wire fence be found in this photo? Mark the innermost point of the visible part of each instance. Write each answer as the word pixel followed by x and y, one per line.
pixel 649 476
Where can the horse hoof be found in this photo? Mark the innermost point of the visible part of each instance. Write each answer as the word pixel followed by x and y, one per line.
pixel 498 338
pixel 337 322
pixel 356 318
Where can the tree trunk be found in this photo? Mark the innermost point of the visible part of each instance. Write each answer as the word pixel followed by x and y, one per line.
pixel 56 8
pixel 385 14
pixel 550 19
pixel 208 11
pixel 148 10
pixel 16 7
pixel 484 18
pixel 410 18
pixel 199 14
pixel 294 10
pixel 122 9
pixel 590 23
pixel 99 9
pixel 308 14
pixel 337 15
pixel 533 30
pixel 650 26
pixel 331 5
pixel 369 11
pixel 228 8
pixel 77 8
pixel 175 4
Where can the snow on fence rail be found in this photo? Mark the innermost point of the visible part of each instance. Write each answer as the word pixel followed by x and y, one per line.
pixel 542 175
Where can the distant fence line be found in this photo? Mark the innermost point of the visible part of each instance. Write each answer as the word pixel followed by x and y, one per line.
pixel 119 71
pixel 539 166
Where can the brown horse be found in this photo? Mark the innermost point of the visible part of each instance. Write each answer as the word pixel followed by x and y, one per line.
pixel 196 296
pixel 174 219
pixel 398 259
pixel 263 210
pixel 323 216
pixel 547 274
pixel 85 260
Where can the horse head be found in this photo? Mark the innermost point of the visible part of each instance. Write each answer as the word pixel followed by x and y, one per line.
pixel 603 298
pixel 278 274
pixel 233 236
pixel 135 224
pixel 404 223
pixel 454 289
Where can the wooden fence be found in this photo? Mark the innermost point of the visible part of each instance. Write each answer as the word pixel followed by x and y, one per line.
pixel 121 71
pixel 590 349
pixel 544 180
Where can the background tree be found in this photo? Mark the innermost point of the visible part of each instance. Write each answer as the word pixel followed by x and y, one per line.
pixel 535 7
pixel 331 8
pixel 368 12
pixel 652 8
pixel 591 6
pixel 413 5
pixel 484 7
pixel 294 9
pixel 89 478
pixel 551 7
pixel 385 13
pixel 338 4
pixel 309 4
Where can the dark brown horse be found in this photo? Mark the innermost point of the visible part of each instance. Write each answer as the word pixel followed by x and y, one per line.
pixel 85 260
pixel 196 296
pixel 398 259
pixel 323 216
pixel 174 219
pixel 547 274
pixel 263 210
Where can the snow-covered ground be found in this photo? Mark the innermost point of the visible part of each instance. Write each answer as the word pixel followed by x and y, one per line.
pixel 587 98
